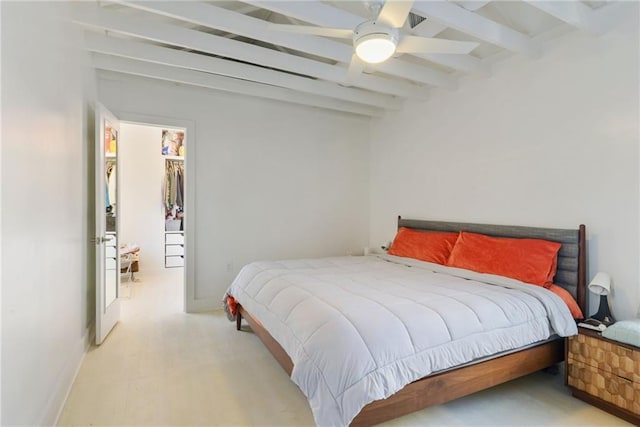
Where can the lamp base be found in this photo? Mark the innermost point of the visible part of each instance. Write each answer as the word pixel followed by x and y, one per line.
pixel 604 313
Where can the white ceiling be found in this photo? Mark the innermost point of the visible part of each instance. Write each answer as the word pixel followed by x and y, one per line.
pixel 227 45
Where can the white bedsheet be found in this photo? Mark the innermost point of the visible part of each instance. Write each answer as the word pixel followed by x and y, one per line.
pixel 359 329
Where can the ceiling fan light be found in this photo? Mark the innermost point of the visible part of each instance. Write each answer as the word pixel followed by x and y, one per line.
pixel 375 48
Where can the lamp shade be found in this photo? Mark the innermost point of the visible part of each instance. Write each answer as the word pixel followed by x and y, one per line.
pixel 375 42
pixel 601 284
pixel 375 48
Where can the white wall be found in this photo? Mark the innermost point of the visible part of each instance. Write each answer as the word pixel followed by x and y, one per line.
pixel 272 180
pixel 141 174
pixel 549 142
pixel 45 297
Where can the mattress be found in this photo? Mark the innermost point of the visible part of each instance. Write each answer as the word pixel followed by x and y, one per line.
pixel 359 329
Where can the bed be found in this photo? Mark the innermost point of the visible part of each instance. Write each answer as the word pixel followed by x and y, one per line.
pixel 380 375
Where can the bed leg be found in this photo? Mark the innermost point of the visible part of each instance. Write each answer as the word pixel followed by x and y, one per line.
pixel 238 320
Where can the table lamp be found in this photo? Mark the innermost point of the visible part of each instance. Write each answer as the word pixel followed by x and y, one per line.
pixel 601 285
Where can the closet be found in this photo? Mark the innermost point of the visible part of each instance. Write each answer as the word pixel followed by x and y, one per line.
pixel 173 198
pixel 152 196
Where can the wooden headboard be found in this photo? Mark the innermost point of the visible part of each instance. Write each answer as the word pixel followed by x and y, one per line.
pixel 571 273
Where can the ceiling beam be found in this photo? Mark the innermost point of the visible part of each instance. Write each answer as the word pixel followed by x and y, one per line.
pixel 177 58
pixel 478 26
pixel 257 29
pixel 247 9
pixel 93 16
pixel 226 84
pixel 428 28
pixel 472 5
pixel 225 20
pixel 326 16
pixel 467 63
pixel 573 13
pixel 610 15
pixel 312 12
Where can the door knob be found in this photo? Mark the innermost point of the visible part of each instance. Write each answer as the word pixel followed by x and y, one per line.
pixel 101 239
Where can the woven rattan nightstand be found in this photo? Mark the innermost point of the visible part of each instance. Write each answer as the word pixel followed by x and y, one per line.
pixel 605 374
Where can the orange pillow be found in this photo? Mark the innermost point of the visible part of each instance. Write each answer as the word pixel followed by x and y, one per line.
pixel 528 260
pixel 574 308
pixel 423 245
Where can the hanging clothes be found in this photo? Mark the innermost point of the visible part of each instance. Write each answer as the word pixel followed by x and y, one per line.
pixel 174 186
pixel 167 186
pixel 173 196
pixel 179 186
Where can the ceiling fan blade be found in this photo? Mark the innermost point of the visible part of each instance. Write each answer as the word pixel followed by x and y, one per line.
pixel 356 67
pixel 316 31
pixel 413 44
pixel 395 12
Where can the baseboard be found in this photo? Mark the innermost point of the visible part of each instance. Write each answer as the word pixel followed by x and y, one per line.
pixel 67 377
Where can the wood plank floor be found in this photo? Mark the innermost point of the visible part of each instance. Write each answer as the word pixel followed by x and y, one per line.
pixel 162 367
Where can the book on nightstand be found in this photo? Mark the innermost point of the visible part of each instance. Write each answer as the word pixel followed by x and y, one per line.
pixel 593 324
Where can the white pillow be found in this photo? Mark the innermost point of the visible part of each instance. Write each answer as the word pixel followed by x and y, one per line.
pixel 627 331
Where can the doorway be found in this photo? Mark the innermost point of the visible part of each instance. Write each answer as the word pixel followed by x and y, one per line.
pixel 152 194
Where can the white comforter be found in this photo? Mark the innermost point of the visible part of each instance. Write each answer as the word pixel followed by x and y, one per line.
pixel 358 329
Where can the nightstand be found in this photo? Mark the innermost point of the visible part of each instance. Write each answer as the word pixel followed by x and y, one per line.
pixel 605 373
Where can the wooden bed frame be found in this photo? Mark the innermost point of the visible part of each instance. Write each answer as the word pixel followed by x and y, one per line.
pixel 458 382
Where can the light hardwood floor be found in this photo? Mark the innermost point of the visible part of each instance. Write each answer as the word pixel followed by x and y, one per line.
pixel 160 366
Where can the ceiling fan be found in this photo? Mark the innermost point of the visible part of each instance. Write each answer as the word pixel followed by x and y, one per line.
pixel 376 40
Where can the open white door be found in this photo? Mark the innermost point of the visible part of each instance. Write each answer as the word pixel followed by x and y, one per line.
pixel 106 236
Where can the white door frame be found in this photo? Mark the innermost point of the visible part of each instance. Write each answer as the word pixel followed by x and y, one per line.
pixel 189 304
